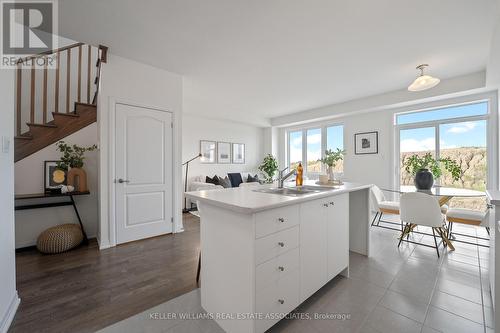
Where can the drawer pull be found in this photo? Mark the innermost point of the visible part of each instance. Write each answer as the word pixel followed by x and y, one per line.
pixel 281 244
pixel 489 206
pixel 281 268
pixel 332 203
pixel 282 220
pixel 281 301
pixel 326 205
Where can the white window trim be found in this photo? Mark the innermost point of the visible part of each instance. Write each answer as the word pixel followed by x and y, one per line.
pixel 491 131
pixel 323 126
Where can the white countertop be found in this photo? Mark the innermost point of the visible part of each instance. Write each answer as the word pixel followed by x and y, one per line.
pixel 246 200
pixel 493 197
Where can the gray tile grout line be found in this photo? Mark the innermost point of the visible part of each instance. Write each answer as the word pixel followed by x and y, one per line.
pixel 385 292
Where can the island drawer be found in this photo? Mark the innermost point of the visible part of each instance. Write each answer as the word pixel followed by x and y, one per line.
pixel 273 220
pixel 274 269
pixel 271 246
pixel 280 297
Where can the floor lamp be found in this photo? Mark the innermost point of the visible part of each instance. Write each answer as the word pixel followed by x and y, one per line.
pixel 186 210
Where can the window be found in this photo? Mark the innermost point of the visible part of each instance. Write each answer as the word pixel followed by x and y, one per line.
pixel 458 132
pixel 313 150
pixel 334 141
pixel 295 149
pixel 309 145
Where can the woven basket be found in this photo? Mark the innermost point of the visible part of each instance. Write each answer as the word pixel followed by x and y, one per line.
pixel 60 238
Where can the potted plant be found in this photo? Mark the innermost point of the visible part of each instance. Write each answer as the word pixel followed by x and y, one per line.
pixel 426 168
pixel 72 162
pixel 268 167
pixel 330 160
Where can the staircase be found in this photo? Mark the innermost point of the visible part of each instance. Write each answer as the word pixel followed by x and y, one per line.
pixel 41 128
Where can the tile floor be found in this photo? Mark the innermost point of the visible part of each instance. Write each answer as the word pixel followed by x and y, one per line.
pixel 395 290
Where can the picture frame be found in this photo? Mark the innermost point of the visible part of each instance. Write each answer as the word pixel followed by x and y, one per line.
pixel 238 153
pixel 208 151
pixel 224 152
pixel 366 143
pixel 53 176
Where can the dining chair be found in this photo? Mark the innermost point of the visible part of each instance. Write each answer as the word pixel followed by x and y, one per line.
pixel 384 206
pixel 420 209
pixel 469 217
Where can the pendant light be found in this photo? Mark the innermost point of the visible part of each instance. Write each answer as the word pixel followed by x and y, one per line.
pixel 423 82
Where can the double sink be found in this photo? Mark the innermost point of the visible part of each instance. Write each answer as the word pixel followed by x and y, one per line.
pixel 294 191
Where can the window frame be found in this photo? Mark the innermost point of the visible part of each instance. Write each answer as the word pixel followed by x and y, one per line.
pixel 323 127
pixel 491 142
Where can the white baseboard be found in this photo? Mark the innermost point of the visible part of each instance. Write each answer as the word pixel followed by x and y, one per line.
pixel 9 315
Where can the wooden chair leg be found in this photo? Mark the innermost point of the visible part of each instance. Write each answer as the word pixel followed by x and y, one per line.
pixel 403 234
pixel 445 238
pixel 199 269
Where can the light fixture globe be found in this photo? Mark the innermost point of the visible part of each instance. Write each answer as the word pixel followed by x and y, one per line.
pixel 423 82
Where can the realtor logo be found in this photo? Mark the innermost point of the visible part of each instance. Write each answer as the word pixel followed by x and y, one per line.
pixel 28 28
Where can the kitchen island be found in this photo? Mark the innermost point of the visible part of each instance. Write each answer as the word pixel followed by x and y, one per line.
pixel 265 253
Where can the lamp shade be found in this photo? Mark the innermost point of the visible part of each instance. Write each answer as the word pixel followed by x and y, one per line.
pixel 423 82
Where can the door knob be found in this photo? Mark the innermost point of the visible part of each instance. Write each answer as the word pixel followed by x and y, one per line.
pixel 281 244
pixel 123 181
pixel 281 301
pixel 281 268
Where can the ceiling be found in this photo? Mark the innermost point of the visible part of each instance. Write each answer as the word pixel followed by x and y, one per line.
pixel 252 60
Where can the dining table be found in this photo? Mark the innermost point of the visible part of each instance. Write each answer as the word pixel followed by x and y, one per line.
pixel 443 193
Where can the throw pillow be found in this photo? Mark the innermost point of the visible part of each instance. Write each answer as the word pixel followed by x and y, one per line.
pixel 254 179
pixel 235 179
pixel 225 182
pixel 214 180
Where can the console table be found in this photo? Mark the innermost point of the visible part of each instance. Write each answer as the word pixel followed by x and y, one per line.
pixel 71 202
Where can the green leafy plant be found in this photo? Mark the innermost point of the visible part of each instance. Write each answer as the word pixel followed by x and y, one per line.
pixel 332 157
pixel 268 167
pixel 414 163
pixel 72 155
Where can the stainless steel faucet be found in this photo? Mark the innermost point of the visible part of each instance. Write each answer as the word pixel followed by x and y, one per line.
pixel 282 178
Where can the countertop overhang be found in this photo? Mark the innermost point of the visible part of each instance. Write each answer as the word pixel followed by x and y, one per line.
pixel 245 200
pixel 493 196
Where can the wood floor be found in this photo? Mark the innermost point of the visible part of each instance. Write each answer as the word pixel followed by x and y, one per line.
pixel 86 289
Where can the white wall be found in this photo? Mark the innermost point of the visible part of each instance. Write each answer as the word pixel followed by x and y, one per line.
pixel 124 80
pixel 196 128
pixel 8 294
pixel 493 68
pixel 29 178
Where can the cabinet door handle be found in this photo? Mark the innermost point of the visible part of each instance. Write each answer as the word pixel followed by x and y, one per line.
pixel 280 219
pixel 489 206
pixel 281 301
pixel 325 205
pixel 281 268
pixel 332 203
pixel 281 244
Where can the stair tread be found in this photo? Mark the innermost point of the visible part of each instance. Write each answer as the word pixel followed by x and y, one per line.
pixel 24 137
pixel 42 125
pixel 71 114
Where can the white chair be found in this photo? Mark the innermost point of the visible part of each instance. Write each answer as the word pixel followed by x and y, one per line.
pixel 469 217
pixel 420 209
pixel 382 205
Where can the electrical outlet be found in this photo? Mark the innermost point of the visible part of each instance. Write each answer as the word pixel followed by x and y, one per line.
pixel 5 144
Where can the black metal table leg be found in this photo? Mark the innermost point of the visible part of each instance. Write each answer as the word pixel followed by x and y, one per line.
pixel 85 239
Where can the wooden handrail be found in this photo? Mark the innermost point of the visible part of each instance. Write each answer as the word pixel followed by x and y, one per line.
pixel 41 54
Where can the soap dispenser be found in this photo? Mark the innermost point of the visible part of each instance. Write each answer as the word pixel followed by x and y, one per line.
pixel 299 180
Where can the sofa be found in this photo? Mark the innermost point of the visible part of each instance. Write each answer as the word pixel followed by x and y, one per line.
pixel 199 183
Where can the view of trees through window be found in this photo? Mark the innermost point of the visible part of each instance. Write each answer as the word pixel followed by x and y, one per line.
pixel 464 142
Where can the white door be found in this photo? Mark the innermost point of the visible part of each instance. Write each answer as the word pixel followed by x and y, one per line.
pixel 313 247
pixel 143 173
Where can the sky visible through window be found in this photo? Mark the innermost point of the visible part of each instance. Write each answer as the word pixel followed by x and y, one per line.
pixel 453 135
pixel 295 147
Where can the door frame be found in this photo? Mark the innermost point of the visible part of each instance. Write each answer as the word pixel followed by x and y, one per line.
pixel 112 162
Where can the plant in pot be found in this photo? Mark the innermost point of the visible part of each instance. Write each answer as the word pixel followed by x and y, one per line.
pixel 72 161
pixel 269 167
pixel 426 168
pixel 330 160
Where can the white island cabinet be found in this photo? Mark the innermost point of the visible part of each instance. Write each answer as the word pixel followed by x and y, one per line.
pixel 264 254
